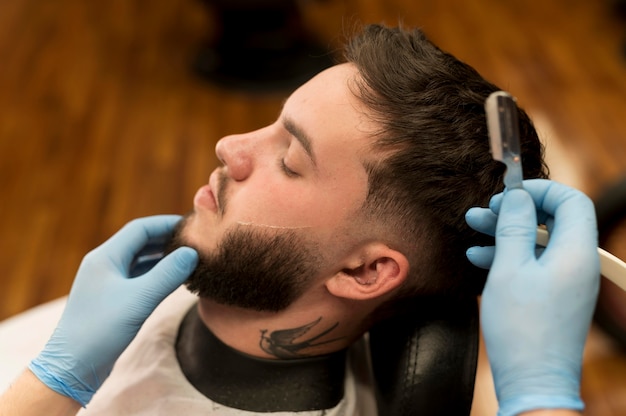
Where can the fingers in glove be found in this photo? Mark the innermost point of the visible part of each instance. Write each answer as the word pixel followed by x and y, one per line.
pixel 516 231
pixel 482 220
pixel 127 242
pixel 481 256
pixel 170 273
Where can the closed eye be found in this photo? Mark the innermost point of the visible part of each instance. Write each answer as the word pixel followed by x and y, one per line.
pixel 290 173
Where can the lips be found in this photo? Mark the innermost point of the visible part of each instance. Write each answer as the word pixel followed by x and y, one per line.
pixel 204 198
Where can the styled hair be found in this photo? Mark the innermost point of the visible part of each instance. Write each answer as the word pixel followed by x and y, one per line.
pixel 431 159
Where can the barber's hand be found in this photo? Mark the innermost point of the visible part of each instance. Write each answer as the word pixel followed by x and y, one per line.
pixel 106 308
pixel 536 309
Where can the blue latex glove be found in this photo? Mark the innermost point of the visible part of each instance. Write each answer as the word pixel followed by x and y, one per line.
pixel 106 308
pixel 536 309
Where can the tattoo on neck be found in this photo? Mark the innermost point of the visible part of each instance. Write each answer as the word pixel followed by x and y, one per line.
pixel 282 343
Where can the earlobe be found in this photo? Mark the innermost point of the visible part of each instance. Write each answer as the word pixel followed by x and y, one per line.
pixel 380 270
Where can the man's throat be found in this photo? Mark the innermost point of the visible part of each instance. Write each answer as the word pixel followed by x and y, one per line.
pixel 241 381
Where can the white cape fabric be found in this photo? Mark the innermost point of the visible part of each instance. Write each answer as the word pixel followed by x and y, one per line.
pixel 23 336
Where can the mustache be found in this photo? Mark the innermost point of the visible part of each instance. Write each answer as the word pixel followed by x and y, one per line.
pixel 222 187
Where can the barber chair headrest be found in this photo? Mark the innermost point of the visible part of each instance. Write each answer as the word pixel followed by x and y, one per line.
pixel 424 361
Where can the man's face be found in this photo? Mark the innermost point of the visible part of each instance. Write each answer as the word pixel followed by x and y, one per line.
pixel 292 187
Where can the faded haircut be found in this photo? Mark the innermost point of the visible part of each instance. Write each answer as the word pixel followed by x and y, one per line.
pixel 430 161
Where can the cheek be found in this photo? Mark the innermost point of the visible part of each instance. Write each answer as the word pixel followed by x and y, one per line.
pixel 282 206
pixel 298 203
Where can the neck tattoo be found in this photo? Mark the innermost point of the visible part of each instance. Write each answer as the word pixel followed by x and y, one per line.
pixel 283 343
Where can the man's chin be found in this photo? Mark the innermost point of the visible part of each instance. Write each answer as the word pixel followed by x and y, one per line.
pixel 184 234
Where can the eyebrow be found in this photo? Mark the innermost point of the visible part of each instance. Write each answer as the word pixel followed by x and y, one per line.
pixel 301 136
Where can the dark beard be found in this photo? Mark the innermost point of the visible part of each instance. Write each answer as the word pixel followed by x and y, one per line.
pixel 254 268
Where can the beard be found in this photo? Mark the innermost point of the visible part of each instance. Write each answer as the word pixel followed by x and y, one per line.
pixel 254 268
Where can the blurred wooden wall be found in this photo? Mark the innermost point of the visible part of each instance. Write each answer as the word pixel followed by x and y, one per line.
pixel 102 120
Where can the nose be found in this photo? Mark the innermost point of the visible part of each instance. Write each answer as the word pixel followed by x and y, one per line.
pixel 236 153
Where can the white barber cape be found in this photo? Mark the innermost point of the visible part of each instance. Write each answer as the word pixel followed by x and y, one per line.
pixel 147 379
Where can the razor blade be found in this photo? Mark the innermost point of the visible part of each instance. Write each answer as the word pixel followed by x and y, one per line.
pixel 503 128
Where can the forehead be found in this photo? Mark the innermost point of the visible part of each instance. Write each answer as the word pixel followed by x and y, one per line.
pixel 327 109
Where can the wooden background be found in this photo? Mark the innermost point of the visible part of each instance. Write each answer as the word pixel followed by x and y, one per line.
pixel 102 120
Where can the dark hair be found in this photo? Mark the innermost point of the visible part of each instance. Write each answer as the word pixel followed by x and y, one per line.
pixel 435 161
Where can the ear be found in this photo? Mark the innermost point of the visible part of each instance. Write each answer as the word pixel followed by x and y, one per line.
pixel 371 272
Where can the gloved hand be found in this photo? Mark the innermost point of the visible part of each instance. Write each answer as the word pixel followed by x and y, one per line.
pixel 106 308
pixel 536 309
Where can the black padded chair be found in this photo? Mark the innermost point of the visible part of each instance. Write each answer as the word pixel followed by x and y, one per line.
pixel 424 361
